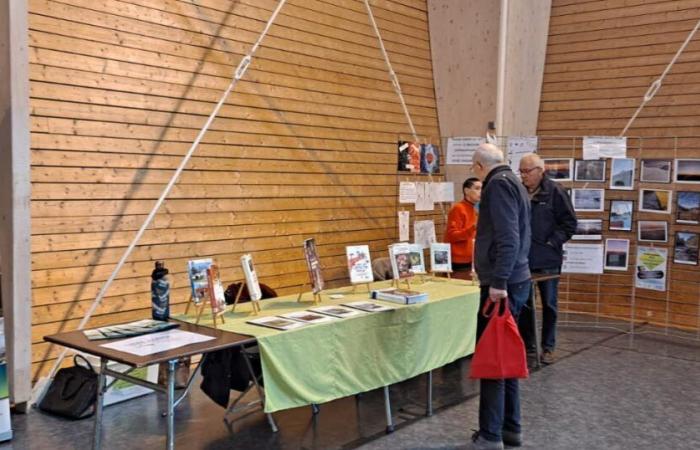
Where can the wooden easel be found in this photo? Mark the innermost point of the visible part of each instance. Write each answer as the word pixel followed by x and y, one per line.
pixel 316 296
pixel 255 305
pixel 199 310
pixel 397 283
pixel 354 287
pixel 435 274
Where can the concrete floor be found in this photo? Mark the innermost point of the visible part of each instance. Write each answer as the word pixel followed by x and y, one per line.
pixel 606 391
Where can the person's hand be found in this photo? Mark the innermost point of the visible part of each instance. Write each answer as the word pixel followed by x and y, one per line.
pixel 497 294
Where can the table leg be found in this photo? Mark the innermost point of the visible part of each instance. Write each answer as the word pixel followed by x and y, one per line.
pixel 99 406
pixel 261 394
pixel 429 408
pixel 387 408
pixel 536 331
pixel 170 439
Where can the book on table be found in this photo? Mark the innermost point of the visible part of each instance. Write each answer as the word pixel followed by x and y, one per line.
pixel 402 296
pixel 440 257
pixel 337 311
pixel 278 323
pixel 131 329
pixel 368 306
pixel 251 277
pixel 216 290
pixel 199 280
pixel 400 257
pixel 359 264
pixel 308 317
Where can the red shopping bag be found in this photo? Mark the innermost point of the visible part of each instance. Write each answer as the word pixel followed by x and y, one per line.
pixel 500 352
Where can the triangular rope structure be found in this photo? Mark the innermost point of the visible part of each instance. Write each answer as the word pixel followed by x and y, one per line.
pixel 656 85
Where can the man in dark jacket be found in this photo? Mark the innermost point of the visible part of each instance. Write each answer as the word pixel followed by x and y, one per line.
pixel 502 247
pixel 553 223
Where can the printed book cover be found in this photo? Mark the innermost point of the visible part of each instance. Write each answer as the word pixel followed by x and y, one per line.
pixel 359 264
pixel 417 259
pixel 440 257
pixel 429 158
pixel 251 277
pixel 197 271
pixel 216 290
pixel 400 256
pixel 314 265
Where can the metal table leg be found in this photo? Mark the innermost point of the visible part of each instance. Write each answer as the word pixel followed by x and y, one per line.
pixel 97 437
pixel 536 330
pixel 270 419
pixel 387 408
pixel 429 409
pixel 170 440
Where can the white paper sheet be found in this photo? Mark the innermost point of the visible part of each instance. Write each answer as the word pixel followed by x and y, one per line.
pixel 596 147
pixel 442 192
pixel 424 197
pixel 583 258
pixel 461 149
pixel 424 232
pixel 407 192
pixel 517 147
pixel 403 225
pixel 149 344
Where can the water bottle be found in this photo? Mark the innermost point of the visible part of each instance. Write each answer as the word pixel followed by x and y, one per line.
pixel 160 292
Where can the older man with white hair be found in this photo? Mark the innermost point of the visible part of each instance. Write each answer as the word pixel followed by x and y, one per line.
pixel 501 262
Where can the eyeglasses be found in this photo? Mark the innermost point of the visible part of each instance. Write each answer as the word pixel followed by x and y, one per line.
pixel 527 171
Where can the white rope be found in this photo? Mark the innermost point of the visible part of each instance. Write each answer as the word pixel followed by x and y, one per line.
pixel 656 85
pixel 238 74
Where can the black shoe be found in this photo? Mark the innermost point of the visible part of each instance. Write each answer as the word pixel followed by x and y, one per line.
pixel 512 439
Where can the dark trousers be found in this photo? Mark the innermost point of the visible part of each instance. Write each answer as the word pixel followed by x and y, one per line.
pixel 499 400
pixel 549 291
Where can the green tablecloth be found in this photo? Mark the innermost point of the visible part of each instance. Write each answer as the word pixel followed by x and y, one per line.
pixel 324 362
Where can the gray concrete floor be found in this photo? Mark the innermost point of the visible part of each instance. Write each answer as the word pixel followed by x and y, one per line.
pixel 606 391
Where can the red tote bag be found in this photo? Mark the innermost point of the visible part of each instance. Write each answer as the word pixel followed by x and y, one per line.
pixel 500 352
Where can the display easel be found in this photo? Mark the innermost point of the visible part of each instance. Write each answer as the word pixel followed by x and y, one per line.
pixel 316 295
pixel 355 285
pixel 447 274
pixel 254 303
pixel 199 310
pixel 397 283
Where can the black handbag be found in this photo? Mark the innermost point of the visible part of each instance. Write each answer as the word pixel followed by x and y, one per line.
pixel 73 391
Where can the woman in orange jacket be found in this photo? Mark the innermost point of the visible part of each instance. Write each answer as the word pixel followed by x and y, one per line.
pixel 461 226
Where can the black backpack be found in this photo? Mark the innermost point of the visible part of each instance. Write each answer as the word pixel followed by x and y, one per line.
pixel 73 392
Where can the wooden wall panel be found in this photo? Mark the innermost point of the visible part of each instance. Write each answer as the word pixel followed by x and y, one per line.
pixel 304 147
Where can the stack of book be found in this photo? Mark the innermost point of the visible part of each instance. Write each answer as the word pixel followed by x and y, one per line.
pixel 402 296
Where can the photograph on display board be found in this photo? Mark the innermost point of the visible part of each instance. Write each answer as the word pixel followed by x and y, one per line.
pixel 655 200
pixel 685 250
pixel 558 169
pixel 622 174
pixel 590 170
pixel 588 199
pixel 429 158
pixel 687 171
pixel 688 207
pixel 652 231
pixel 621 215
pixel 616 254
pixel 655 171
pixel 409 157
pixel 588 230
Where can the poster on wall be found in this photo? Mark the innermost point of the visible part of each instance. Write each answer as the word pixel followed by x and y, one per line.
pixel 424 233
pixel 461 149
pixel 583 258
pixel 403 225
pixel 651 268
pixel 517 147
pixel 424 197
pixel 409 157
pixel 407 192
pixel 597 147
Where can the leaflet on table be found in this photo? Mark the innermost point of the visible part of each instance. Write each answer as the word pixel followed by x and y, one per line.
pixel 157 342
pixel 461 149
pixel 402 296
pixel 307 317
pixel 368 306
pixel 129 329
pixel 277 323
pixel 597 147
pixel 340 312
pixel 359 264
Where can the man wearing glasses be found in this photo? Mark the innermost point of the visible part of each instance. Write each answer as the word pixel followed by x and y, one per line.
pixel 553 222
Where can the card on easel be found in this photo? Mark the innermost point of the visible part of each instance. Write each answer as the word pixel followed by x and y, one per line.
pixel 199 281
pixel 359 264
pixel 417 259
pixel 400 256
pixel 251 278
pixel 313 264
pixel 216 290
pixel 440 257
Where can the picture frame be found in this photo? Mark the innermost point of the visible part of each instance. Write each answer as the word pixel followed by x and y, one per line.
pixel 592 170
pixel 621 215
pixel 686 171
pixel 655 171
pixel 588 230
pixel 622 174
pixel 652 231
pixel 588 199
pixel 559 169
pixel 617 253
pixel 685 248
pixel 655 201
pixel 688 207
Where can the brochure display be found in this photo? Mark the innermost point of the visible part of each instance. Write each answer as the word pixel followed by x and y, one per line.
pixel 359 264
pixel 440 258
pixel 206 289
pixel 313 264
pixel 251 281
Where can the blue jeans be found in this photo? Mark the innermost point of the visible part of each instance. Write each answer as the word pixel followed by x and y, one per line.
pixel 549 291
pixel 499 401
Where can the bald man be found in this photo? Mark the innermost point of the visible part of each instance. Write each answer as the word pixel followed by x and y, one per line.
pixel 553 223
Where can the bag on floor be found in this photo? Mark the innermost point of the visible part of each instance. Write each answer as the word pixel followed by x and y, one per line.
pixel 73 391
pixel 500 352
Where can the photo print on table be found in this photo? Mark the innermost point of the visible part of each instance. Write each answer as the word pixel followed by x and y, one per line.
pixel 652 231
pixel 687 171
pixel 621 215
pixel 558 169
pixel 655 171
pixel 588 230
pixel 688 207
pixel 685 250
pixel 616 254
pixel 588 199
pixel 590 170
pixel 622 174
pixel 655 201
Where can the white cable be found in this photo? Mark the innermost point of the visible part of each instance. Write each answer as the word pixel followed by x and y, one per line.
pixel 238 73
pixel 656 85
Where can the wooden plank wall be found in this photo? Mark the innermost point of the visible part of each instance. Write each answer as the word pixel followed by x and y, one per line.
pixel 601 58
pixel 305 147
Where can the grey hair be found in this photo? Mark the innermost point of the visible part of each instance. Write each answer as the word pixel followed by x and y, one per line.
pixel 488 155
pixel 534 158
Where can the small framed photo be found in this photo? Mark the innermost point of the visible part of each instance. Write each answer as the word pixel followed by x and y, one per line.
pixel 559 169
pixel 588 199
pixel 685 249
pixel 687 171
pixel 655 201
pixel 590 170
pixel 621 215
pixel 588 230
pixel 688 207
pixel 616 254
pixel 655 171
pixel 653 231
pixel 622 174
